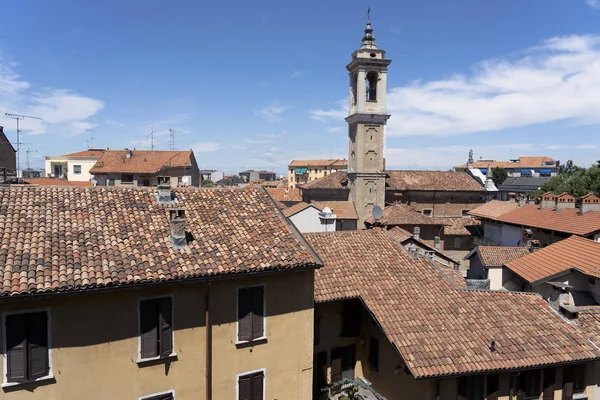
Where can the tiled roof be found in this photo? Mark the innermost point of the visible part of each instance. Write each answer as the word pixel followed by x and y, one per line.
pixel 524 162
pixel 567 220
pixel 432 181
pixel 407 180
pixel 494 208
pixel 458 226
pixel 64 239
pixel 574 252
pixel 56 182
pixel 589 321
pixel 437 328
pixel 400 234
pixel 86 153
pixel 497 256
pixel 341 209
pixel 319 163
pixel 336 180
pixel 295 209
pixel 402 214
pixel 285 194
pixel 141 161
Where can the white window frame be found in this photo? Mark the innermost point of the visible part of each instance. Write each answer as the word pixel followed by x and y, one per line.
pixel 80 169
pixel 149 396
pixel 238 376
pixel 50 375
pixel 237 314
pixel 139 359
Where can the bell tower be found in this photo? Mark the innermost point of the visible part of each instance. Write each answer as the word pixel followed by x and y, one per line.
pixel 366 126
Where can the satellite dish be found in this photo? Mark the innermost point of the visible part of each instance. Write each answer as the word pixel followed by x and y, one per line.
pixel 377 212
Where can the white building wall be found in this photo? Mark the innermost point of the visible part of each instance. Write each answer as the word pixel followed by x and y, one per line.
pixel 85 175
pixel 308 220
pixel 495 277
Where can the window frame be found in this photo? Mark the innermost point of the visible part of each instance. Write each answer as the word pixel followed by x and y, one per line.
pixel 50 375
pixel 156 395
pixel 242 374
pixel 430 210
pixel 237 314
pixel 127 182
pixel 75 171
pixel 173 354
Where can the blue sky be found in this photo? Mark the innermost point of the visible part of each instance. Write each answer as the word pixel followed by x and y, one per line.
pixel 257 84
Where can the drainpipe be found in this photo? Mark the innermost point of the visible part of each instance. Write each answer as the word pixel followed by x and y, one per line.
pixel 208 346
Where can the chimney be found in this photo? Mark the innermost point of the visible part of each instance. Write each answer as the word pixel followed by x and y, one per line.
pixel 417 233
pixel 470 161
pixel 489 182
pixel 522 201
pixel 436 242
pixel 564 201
pixel 177 235
pixel 548 201
pixel 589 202
pixel 127 153
pixel 164 194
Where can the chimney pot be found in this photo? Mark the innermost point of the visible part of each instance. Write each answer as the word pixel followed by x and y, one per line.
pixel 417 233
pixel 436 242
pixel 127 153
pixel 177 220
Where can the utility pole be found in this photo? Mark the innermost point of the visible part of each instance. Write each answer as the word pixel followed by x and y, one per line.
pixel 172 133
pixel 19 117
pixel 27 152
pixel 151 135
pixel 91 142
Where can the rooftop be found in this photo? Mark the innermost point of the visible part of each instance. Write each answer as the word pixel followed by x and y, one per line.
pixel 56 182
pixel 141 161
pixel 522 162
pixel 497 256
pixel 285 194
pixel 341 209
pixel 438 328
pixel 319 163
pixel 93 153
pixel 403 214
pixel 295 209
pixel 572 253
pixel 55 239
pixel 493 209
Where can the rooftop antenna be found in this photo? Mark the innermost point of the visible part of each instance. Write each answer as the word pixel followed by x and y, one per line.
pixel 369 13
pixel 151 135
pixel 91 141
pixel 19 117
pixel 27 152
pixel 172 133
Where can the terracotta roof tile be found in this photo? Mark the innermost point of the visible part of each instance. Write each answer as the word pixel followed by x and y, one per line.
pixel 589 320
pixel 400 234
pixel 336 180
pixel 86 153
pixel 572 253
pixel 458 226
pixel 57 182
pixel 285 194
pixel 524 162
pixel 342 209
pixel 295 209
pixel 497 256
pixel 319 163
pixel 440 329
pixel 65 239
pixel 141 161
pixel 494 208
pixel 568 220
pixel 402 214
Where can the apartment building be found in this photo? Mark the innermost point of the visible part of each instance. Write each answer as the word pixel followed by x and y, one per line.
pixel 303 171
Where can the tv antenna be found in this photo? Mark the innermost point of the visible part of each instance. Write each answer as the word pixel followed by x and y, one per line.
pixel 172 133
pixel 151 135
pixel 19 117
pixel 27 152
pixel 91 141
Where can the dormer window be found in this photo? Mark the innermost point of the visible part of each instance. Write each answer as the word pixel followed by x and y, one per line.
pixel 371 80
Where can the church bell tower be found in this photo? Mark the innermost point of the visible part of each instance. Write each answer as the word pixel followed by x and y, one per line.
pixel 366 126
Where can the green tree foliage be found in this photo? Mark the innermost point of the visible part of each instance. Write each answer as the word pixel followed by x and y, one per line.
pixel 499 175
pixel 207 183
pixel 568 168
pixel 578 182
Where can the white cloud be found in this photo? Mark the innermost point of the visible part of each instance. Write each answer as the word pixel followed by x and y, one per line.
pixel 113 122
pixel 271 113
pixel 298 74
pixel 238 147
pixel 558 80
pixel 335 129
pixel 61 110
pixel 205 147
pixel 593 3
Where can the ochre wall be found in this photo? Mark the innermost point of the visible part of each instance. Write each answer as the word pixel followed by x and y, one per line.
pixel 95 345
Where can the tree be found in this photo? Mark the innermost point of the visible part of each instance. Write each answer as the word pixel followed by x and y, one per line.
pixel 207 183
pixel 569 168
pixel 499 175
pixel 578 183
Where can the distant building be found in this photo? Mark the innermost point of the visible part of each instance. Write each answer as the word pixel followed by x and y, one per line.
pixel 326 216
pixel 229 180
pixel 73 166
pixel 8 159
pixel 146 167
pixel 253 176
pixel 303 171
pixel 522 166
pixel 211 174
pixel 521 186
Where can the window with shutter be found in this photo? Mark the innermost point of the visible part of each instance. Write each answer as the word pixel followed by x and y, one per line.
pixel 251 386
pixel 156 328
pixel 251 313
pixel 27 347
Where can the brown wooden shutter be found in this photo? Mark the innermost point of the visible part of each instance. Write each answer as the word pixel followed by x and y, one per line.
pixel 244 387
pixel 37 341
pixel 336 369
pixel 244 315
pixel 258 380
pixel 549 380
pixel 567 392
pixel 257 312
pixel 16 345
pixel 148 329
pixel 166 327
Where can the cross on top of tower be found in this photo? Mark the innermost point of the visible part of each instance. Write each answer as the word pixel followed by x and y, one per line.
pixel 368 40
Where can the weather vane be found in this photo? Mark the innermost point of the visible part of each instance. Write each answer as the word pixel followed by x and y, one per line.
pixel 369 13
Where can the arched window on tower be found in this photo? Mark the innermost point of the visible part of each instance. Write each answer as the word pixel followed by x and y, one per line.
pixel 353 85
pixel 372 79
